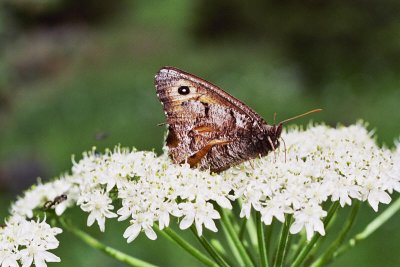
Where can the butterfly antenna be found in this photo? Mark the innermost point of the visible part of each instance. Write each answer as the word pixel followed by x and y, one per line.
pixel 274 117
pixel 301 115
pixel 162 123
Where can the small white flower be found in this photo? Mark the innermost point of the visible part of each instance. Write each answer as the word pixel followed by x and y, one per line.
pixel 309 218
pixel 140 222
pixel 199 212
pixel 165 209
pixel 343 191
pixel 375 197
pixel 25 205
pixel 8 258
pixel 37 255
pixel 99 205
pixel 273 208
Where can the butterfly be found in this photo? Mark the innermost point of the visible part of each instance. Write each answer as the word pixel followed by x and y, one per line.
pixel 207 127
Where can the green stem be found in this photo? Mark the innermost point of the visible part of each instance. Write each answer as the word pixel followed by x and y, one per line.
pixel 221 250
pixel 251 249
pixel 210 249
pixel 252 231
pixel 261 240
pixel 321 241
pixel 219 247
pixel 324 259
pixel 242 229
pixel 305 251
pixel 371 228
pixel 235 238
pixel 114 253
pixel 289 244
pixel 299 246
pixel 232 246
pixel 268 236
pixel 280 254
pixel 171 235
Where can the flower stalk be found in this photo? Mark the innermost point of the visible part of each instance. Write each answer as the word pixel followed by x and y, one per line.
pixel 235 239
pixel 171 235
pixel 370 229
pixel 261 241
pixel 210 249
pixel 304 253
pixel 112 252
pixel 326 257
pixel 280 254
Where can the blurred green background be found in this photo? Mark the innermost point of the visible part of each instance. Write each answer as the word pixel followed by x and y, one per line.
pixel 76 74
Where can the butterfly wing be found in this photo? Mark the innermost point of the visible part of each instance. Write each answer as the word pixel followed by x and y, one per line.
pixel 207 126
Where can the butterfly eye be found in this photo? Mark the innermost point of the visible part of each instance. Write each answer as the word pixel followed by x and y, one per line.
pixel 183 90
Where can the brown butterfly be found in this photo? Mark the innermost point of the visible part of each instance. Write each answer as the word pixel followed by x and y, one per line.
pixel 209 128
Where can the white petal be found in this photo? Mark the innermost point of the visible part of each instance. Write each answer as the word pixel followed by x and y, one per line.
pixel 132 232
pixel 267 218
pixel 310 232
pixel 319 227
pixel 280 216
pixel 101 223
pixel 296 227
pixel 224 202
pixel 186 222
pixel 384 197
pixel 209 224
pixel 199 227
pixel 45 256
pixel 245 212
pixel 150 233
pixel 91 219
pixel 27 261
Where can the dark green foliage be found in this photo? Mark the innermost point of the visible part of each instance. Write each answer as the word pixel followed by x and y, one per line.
pixel 325 39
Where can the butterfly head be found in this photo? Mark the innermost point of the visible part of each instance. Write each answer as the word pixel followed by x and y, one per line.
pixel 273 134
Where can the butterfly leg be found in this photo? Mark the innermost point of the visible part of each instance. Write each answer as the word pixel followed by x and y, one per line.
pixel 273 147
pixel 194 159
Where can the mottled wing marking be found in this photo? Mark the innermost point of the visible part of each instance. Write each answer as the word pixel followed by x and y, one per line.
pixel 203 129
pixel 194 159
pixel 168 79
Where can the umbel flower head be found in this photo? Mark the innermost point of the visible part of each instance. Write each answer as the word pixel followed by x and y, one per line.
pixel 27 242
pixel 320 164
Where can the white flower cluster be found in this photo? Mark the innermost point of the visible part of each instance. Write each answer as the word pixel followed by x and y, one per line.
pixel 150 189
pixel 25 243
pixel 40 194
pixel 321 164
